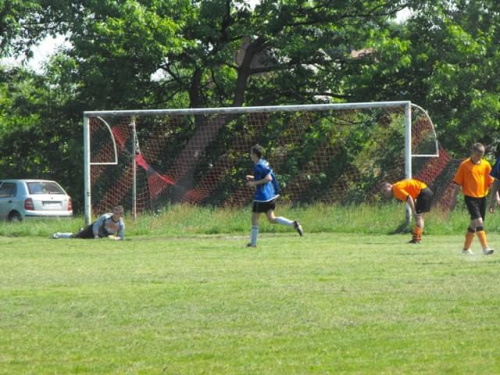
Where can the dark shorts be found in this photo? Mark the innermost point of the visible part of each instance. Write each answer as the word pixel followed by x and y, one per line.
pixel 476 207
pixel 263 207
pixel 424 201
pixel 86 233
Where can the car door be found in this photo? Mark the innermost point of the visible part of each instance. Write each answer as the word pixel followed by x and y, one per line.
pixel 7 198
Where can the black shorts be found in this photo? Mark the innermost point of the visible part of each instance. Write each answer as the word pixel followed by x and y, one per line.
pixel 476 207
pixel 424 201
pixel 263 207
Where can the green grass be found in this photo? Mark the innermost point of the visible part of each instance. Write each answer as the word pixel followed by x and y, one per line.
pixel 327 303
pixel 182 220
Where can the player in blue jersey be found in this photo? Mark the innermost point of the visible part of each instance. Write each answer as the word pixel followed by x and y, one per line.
pixel 495 190
pixel 266 193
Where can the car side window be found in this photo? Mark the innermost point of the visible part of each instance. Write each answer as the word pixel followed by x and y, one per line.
pixel 8 190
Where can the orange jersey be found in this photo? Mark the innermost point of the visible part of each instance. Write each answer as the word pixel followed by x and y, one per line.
pixel 402 189
pixel 474 179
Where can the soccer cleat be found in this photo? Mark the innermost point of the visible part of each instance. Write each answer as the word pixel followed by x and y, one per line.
pixel 298 228
pixel 250 245
pixel 488 251
pixel 414 241
pixel 56 235
pixel 467 252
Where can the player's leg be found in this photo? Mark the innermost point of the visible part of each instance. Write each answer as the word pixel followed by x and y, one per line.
pixel 471 230
pixel 63 235
pixel 283 220
pixel 481 233
pixel 418 229
pixel 254 232
pixel 86 233
pixel 423 204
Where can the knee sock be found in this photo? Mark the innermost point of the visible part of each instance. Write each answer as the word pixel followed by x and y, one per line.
pixel 283 221
pixel 254 233
pixel 469 237
pixel 417 233
pixel 481 235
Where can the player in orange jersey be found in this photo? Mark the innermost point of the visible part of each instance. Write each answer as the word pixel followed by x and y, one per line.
pixel 419 198
pixel 473 176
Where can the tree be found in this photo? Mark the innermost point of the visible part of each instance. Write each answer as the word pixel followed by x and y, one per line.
pixel 289 51
pixel 37 136
pixel 444 58
pixel 20 26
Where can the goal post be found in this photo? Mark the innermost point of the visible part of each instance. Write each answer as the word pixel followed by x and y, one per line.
pixel 188 155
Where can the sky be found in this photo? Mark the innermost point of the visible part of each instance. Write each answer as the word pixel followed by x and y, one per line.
pixel 48 46
pixel 41 53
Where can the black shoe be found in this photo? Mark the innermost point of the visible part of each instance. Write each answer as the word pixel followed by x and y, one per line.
pixel 298 228
pixel 414 241
pixel 250 245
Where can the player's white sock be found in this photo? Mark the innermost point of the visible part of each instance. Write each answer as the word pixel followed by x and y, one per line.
pixel 283 221
pixel 65 235
pixel 254 234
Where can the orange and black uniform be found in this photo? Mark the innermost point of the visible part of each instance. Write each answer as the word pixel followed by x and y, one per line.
pixel 475 179
pixel 415 189
pixel 422 197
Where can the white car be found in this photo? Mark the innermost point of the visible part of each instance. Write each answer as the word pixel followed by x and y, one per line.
pixel 27 199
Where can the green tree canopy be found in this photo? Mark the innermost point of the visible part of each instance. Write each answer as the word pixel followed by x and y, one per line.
pixel 212 53
pixel 444 58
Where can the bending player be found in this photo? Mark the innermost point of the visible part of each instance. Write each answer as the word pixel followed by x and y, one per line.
pixel 417 195
pixel 266 193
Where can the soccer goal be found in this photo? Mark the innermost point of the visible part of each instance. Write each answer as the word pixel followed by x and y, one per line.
pixel 147 160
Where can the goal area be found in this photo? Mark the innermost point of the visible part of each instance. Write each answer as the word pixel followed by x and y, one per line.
pixel 148 160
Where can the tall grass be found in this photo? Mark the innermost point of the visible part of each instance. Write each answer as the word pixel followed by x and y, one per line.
pixel 185 220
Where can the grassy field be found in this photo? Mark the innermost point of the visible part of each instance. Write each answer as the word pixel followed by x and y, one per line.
pixel 326 303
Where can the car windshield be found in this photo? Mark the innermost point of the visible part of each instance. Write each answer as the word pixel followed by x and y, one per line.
pixel 44 187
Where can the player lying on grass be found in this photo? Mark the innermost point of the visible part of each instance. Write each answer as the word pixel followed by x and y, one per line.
pixel 266 193
pixel 109 225
pixel 473 176
pixel 417 195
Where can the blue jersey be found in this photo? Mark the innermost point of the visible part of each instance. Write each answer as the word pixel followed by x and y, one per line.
pixel 495 171
pixel 268 191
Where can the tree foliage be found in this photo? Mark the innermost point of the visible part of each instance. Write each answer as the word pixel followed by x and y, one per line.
pixel 213 53
pixel 444 58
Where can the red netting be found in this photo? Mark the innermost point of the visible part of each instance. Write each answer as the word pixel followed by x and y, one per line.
pixel 330 157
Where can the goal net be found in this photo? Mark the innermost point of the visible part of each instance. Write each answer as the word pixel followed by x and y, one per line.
pixel 331 154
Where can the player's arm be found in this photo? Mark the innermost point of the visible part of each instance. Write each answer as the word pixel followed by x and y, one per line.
pixel 495 195
pixel 265 180
pixel 456 188
pixel 97 225
pixel 458 180
pixel 121 231
pixel 411 202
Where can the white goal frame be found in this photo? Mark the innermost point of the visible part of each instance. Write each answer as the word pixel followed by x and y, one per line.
pixel 407 105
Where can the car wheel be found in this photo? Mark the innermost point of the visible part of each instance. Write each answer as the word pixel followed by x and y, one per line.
pixel 15 217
